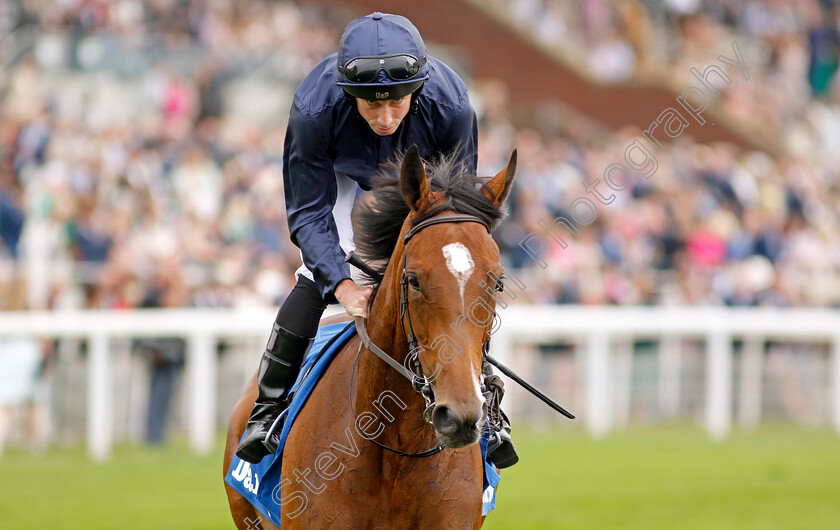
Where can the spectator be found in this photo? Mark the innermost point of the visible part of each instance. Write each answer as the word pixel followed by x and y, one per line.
pixel 22 364
pixel 164 355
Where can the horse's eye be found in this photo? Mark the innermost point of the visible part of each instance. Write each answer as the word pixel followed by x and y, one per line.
pixel 499 286
pixel 413 281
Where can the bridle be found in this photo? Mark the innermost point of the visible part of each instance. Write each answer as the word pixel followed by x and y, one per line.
pixel 415 375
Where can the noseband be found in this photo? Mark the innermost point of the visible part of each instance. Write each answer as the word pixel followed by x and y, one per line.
pixel 419 381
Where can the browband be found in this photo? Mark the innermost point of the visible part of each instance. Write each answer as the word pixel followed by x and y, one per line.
pixel 449 218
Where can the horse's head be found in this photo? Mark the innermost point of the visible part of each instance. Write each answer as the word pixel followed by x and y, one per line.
pixel 449 273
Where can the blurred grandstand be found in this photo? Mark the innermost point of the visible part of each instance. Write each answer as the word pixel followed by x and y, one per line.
pixel 141 143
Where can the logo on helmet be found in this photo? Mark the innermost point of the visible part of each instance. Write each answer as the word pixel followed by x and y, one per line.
pixel 382 95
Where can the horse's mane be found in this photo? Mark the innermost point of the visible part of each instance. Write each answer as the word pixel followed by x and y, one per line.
pixel 377 221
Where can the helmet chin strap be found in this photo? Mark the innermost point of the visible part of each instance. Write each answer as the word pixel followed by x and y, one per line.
pixel 415 104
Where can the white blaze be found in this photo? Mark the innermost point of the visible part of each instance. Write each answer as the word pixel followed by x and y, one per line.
pixel 460 264
pixel 477 385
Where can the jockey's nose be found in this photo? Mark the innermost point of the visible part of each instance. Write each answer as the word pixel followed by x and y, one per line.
pixel 386 116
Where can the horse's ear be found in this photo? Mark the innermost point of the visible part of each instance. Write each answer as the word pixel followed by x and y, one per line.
pixel 498 187
pixel 414 185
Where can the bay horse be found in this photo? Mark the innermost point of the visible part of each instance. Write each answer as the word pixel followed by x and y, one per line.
pixel 345 463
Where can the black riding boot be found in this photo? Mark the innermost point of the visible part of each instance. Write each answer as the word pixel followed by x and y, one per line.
pixel 279 368
pixel 500 449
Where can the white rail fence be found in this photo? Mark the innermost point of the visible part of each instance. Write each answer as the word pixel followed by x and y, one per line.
pixel 600 330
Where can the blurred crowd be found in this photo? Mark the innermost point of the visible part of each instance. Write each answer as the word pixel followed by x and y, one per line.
pixel 795 42
pixel 714 225
pixel 139 185
pixel 136 172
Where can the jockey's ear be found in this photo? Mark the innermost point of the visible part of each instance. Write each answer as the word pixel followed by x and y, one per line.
pixel 414 185
pixel 497 188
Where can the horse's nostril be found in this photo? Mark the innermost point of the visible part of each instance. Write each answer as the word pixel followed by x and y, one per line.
pixel 444 420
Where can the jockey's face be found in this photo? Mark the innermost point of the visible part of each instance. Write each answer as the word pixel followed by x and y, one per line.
pixel 384 116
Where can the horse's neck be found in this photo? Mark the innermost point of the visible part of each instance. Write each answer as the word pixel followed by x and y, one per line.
pixel 382 388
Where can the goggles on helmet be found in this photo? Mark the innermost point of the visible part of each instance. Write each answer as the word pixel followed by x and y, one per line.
pixel 398 67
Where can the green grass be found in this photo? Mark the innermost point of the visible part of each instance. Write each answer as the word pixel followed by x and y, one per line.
pixel 665 478
pixel 674 479
pixel 139 488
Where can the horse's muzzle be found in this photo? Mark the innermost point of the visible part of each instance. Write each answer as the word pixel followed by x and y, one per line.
pixel 453 430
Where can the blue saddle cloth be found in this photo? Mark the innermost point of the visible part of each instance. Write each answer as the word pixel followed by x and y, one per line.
pixel 260 483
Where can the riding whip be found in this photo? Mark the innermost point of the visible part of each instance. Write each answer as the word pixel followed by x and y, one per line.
pixel 360 264
pixel 357 262
pixel 527 386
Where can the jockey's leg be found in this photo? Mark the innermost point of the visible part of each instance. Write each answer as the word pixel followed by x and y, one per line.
pixel 291 336
pixel 500 450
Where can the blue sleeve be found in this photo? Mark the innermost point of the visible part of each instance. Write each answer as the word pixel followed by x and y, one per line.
pixel 463 135
pixel 310 190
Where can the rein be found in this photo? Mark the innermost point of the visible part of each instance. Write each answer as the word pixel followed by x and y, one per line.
pixel 418 380
pixel 365 339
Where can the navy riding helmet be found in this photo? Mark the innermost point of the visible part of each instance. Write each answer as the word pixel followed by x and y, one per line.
pixel 381 56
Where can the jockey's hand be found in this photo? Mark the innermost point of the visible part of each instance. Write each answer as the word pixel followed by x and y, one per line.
pixel 353 297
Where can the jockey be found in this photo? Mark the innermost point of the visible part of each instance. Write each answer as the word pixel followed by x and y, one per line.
pixel 355 110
